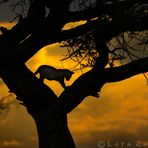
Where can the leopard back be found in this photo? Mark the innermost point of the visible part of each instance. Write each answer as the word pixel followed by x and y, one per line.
pixel 67 74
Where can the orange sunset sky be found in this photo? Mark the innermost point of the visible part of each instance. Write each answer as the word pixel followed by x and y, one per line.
pixel 119 115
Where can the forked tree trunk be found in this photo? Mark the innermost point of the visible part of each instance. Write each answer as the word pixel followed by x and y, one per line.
pixel 43 106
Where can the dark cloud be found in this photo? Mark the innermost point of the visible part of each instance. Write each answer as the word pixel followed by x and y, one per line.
pixel 6 14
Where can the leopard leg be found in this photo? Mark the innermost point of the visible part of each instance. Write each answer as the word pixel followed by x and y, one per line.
pixel 62 83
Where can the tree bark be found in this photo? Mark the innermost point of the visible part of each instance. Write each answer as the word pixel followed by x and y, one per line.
pixel 53 131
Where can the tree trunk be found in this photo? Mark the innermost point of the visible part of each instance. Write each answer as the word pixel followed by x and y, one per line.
pixel 53 132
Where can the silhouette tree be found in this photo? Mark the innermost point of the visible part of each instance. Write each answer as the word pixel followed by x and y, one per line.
pixel 114 30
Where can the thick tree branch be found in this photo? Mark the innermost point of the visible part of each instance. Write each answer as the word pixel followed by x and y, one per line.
pixel 31 91
pixel 36 41
pixel 14 36
pixel 95 79
pixel 110 29
pixel 123 72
